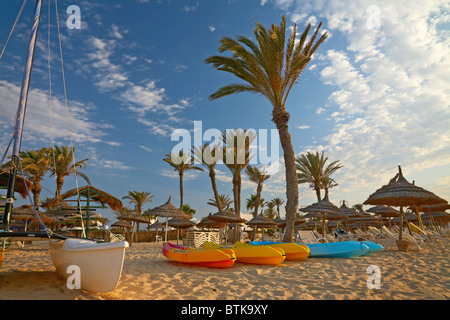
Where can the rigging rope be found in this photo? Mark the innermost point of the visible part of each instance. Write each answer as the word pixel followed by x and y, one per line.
pixel 14 25
pixel 68 118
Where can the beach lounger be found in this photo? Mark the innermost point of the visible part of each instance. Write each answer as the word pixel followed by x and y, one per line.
pixel 308 236
pixel 394 236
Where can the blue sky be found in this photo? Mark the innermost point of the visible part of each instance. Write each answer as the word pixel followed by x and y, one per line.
pixel 375 95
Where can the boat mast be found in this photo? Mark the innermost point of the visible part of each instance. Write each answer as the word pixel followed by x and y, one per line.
pixel 20 117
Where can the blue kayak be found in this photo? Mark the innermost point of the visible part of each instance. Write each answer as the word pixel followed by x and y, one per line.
pixel 343 249
pixel 373 247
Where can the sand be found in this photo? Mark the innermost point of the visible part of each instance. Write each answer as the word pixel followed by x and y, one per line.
pixel 28 273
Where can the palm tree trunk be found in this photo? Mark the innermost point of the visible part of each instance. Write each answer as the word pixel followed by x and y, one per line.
pixel 212 175
pixel 59 184
pixel 281 118
pixel 36 194
pixel 318 193
pixel 181 190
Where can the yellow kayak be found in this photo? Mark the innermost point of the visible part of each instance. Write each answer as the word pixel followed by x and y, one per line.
pixel 246 253
pixel 293 251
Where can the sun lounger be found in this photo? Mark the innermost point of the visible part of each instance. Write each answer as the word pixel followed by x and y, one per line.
pixel 393 236
pixel 308 236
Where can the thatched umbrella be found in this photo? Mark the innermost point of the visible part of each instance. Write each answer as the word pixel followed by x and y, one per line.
pixel 168 210
pixel 326 209
pixel 20 185
pixel 180 223
pixel 385 212
pixel 260 221
pixel 226 217
pixel 401 193
pixel 122 224
pixel 156 225
pixel 133 216
pixel 210 224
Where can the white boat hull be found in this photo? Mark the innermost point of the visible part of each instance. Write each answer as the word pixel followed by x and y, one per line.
pixel 100 263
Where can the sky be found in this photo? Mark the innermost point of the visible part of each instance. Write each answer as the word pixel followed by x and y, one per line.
pixel 374 96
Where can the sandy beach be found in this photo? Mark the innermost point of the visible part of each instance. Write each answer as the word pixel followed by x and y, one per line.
pixel 28 273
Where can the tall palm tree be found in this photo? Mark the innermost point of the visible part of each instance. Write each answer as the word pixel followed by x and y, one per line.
pixel 270 69
pixel 269 212
pixel 224 199
pixel 207 156
pixel 138 199
pixel 259 177
pixel 313 169
pixel 181 162
pixel 278 202
pixel 236 156
pixel 62 165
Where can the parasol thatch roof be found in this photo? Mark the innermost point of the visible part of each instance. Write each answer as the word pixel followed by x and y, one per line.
pixel 168 210
pixel 208 223
pixel 94 194
pixel 324 206
pixel 435 208
pixel 384 211
pixel 402 193
pixel 122 224
pixel 134 216
pixel 261 221
pixel 227 217
pixel 20 185
pixel 180 223
pixel 348 212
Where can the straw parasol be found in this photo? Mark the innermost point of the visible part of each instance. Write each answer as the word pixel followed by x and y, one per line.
pixel 326 208
pixel 20 185
pixel 226 217
pixel 260 221
pixel 385 212
pixel 401 193
pixel 156 225
pixel 180 223
pixel 133 216
pixel 168 210
pixel 122 224
pixel 210 224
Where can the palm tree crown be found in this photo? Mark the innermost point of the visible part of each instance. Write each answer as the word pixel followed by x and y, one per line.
pixel 181 162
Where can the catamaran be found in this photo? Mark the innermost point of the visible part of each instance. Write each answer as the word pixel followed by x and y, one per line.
pixel 100 264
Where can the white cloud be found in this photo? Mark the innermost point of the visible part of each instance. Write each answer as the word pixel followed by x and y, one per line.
pixel 212 28
pixel 303 126
pixel 38 128
pixel 390 102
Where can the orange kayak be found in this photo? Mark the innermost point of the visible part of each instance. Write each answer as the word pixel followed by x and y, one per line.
pixel 214 258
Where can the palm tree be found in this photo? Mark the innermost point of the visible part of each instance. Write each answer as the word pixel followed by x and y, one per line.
pixel 270 70
pixel 269 212
pixel 259 177
pixel 62 165
pixel 312 169
pixel 138 199
pixel 236 155
pixel 207 156
pixel 181 163
pixel 224 199
pixel 251 204
pixel 278 202
pixel 188 210
pixel 35 165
